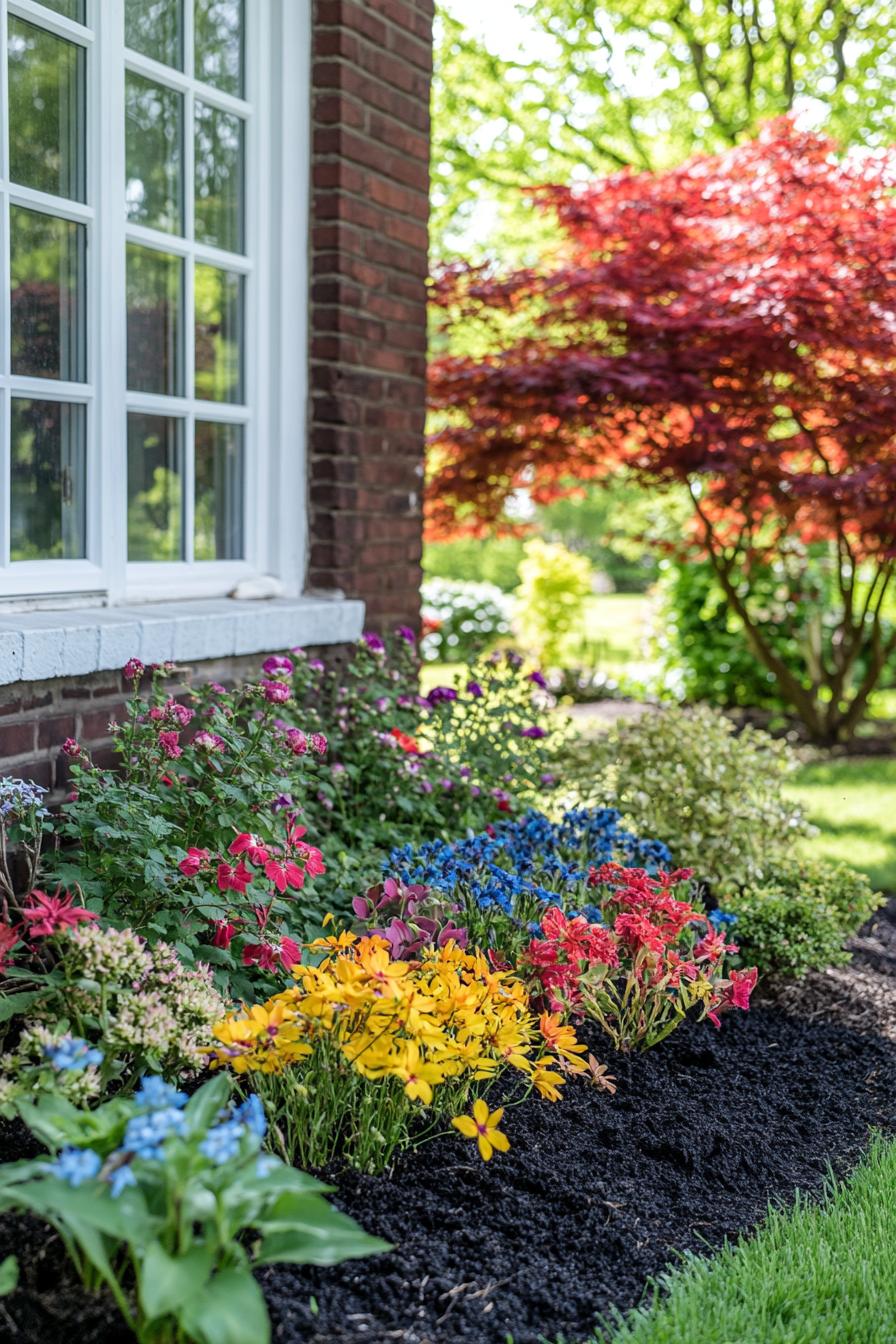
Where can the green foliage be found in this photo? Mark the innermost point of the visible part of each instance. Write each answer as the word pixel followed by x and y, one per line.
pixel 554 587
pixel 818 1273
pixel 797 917
pixel 640 83
pixel 607 521
pixel 461 620
pixel 714 796
pixel 175 1224
pixel 494 560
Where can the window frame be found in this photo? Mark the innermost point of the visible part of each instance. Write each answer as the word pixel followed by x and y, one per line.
pixel 276 107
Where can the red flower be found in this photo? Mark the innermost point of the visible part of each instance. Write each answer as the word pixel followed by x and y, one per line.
pixel 285 874
pixel 290 953
pixel 71 748
pixel 296 741
pixel 738 992
pixel 637 932
pixel 234 879
pixel 47 914
pixel 260 954
pixel 713 946
pixel 168 742
pixel 313 860
pixel 223 933
pixel 8 939
pixel 193 862
pixel 405 741
pixel 249 845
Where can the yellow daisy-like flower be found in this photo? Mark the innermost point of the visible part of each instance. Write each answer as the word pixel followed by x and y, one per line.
pixel 546 1082
pixel 562 1039
pixel 482 1126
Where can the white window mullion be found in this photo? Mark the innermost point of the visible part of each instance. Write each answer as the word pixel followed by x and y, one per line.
pixel 189 333
pixel 110 303
pixel 5 332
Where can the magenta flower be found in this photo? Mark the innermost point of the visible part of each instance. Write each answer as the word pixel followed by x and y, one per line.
pixel 71 747
pixel 276 692
pixel 223 933
pixel 474 689
pixel 208 741
pixel 262 955
pixel 440 695
pixel 290 953
pixel 373 642
pixel 168 741
pixel 533 731
pixel 318 743
pixel 538 679
pixel 297 741
pixel 133 670
pixel 193 862
pixel 277 666
pixel 407 634
pixel 46 915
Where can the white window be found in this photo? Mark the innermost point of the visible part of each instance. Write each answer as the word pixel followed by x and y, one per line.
pixel 153 218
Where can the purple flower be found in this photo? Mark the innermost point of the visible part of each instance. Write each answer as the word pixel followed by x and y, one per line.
pixel 381 704
pixel 406 633
pixel 440 694
pixel 474 689
pixel 276 666
pixel 513 659
pixel 316 665
pixel 534 731
pixel 282 801
pixel 447 784
pixel 548 780
pixel 373 642
pixel 405 701
pixel 538 679
pixel 426 786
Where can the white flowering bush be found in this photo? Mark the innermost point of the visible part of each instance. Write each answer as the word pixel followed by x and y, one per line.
pixel 713 795
pixel 112 1007
pixel 461 620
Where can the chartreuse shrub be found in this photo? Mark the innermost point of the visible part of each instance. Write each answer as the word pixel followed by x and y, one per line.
pixel 819 1273
pixel 169 1203
pixel 364 1047
pixel 554 585
pixel 796 918
pixel 713 795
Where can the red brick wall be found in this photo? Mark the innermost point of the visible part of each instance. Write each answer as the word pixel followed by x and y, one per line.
pixel 372 63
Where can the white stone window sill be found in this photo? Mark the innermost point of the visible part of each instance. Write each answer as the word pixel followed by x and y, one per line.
pixel 35 646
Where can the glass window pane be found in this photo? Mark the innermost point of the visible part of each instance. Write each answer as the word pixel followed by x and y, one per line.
pixel 155 487
pixel 219 334
pixel 155 302
pixel 219 178
pixel 47 111
pixel 70 9
pixel 48 308
pixel 219 42
pixel 154 157
pixel 219 492
pixel 47 495
pixel 155 28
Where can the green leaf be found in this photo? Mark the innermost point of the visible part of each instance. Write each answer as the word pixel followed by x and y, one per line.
pixel 13 1004
pixel 9 1275
pixel 168 1282
pixel 305 1229
pixel 204 1105
pixel 229 1310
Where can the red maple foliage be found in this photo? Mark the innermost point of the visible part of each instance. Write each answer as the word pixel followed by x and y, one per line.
pixel 729 324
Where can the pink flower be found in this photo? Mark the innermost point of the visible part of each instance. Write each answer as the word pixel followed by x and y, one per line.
pixel 234 879
pixel 297 741
pixel 276 692
pixel 251 846
pixel 741 987
pixel 318 743
pixel 262 955
pixel 262 914
pixel 193 862
pixel 47 914
pixel 277 666
pixel 313 860
pixel 168 742
pixel 71 747
pixel 285 874
pixel 133 670
pixel 180 713
pixel 223 933
pixel 208 741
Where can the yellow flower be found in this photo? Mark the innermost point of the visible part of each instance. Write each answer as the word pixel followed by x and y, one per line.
pixel 561 1039
pixel 482 1126
pixel 545 1081
pixel 417 1076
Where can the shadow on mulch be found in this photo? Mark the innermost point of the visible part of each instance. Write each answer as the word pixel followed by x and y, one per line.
pixel 597 1194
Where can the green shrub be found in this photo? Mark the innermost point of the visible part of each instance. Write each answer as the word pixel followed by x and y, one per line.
pixel 475 560
pixel 712 795
pixel 797 918
pixel 554 585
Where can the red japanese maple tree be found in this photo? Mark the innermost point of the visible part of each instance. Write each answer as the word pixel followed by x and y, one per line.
pixel 729 324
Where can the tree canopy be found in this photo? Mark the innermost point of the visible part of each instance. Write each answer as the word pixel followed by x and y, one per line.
pixel 728 325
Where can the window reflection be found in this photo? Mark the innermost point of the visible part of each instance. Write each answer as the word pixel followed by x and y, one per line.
pixel 218 529
pixel 155 487
pixel 47 495
pixel 47 295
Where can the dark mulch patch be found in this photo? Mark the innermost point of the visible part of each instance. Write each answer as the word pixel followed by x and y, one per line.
pixel 597 1194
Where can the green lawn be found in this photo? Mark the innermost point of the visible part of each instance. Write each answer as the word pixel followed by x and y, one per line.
pixel 819 1274
pixel 853 802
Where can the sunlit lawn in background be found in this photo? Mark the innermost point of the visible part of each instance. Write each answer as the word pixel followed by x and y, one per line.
pixel 853 802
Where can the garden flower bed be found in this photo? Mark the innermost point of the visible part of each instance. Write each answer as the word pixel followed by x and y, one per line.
pixel 518 1054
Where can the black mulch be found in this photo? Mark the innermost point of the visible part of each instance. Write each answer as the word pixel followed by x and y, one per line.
pixel 596 1194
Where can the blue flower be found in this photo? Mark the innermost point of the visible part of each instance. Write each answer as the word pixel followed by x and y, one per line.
pixel 719 918
pixel 120 1179
pixel 265 1164
pixel 145 1134
pixel 76 1165
pixel 222 1143
pixel 70 1054
pixel 251 1114
pixel 157 1095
